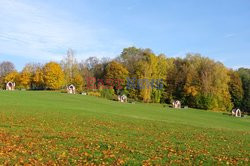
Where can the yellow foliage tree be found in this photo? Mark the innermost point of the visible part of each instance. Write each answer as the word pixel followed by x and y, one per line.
pixel 12 76
pixel 78 82
pixel 38 79
pixel 115 70
pixel 146 70
pixel 25 79
pixel 117 73
pixel 53 76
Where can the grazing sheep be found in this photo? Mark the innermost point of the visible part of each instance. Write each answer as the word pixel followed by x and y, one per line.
pixel 122 98
pixel 176 104
pixel 10 86
pixel 236 112
pixel 71 89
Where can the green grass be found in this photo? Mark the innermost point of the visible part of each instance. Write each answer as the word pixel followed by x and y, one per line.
pixel 56 128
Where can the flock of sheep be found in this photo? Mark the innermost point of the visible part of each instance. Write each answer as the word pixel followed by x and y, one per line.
pixel 71 89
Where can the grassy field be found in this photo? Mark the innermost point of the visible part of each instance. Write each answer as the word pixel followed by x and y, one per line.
pixel 55 128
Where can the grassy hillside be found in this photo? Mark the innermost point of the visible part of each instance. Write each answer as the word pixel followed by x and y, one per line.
pixel 50 127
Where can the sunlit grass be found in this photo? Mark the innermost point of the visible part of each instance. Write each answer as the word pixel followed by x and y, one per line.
pixel 56 128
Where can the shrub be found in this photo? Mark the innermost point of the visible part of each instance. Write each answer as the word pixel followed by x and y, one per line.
pixel 63 90
pixel 130 100
pixel 156 95
pixel 97 94
pixel 115 97
pixel 107 93
pixel 204 101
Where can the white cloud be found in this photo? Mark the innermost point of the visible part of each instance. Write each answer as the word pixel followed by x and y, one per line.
pixel 230 35
pixel 34 31
pixel 180 54
pixel 241 66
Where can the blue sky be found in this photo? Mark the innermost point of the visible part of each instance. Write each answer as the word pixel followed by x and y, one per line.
pixel 43 30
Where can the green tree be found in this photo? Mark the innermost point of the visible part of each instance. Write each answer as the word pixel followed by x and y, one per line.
pixel 200 82
pixel 129 57
pixel 146 67
pixel 235 88
pixel 245 78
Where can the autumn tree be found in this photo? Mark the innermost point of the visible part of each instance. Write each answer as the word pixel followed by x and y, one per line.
pixel 91 62
pixel 38 79
pixel 214 90
pixel 116 73
pixel 78 82
pixel 167 94
pixel 245 78
pixel 235 88
pixel 13 77
pixel 115 70
pixel 147 71
pixel 84 70
pixel 175 81
pixel 70 66
pixel 72 71
pixel 93 68
pixel 146 67
pixel 129 57
pixel 26 75
pixel 6 67
pixel 197 81
pixel 200 82
pixel 160 74
pixel 96 66
pixel 53 76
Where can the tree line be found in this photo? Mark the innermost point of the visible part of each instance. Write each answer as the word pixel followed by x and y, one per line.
pixel 197 81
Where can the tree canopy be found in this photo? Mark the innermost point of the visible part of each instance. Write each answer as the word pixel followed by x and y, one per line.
pixel 53 76
pixel 245 77
pixel 195 80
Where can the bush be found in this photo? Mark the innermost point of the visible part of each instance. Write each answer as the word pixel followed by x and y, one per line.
pixel 156 95
pixel 107 93
pixel 63 90
pixel 130 100
pixel 115 97
pixel 204 101
pixel 97 94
